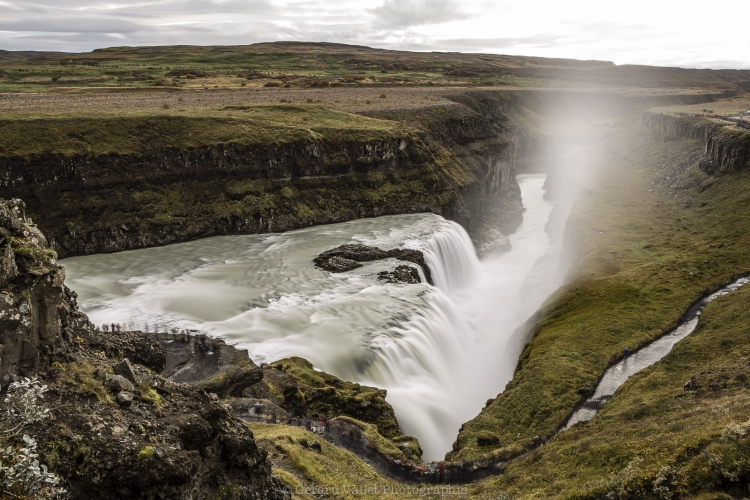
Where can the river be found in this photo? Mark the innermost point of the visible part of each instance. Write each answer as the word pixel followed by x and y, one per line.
pixel 441 351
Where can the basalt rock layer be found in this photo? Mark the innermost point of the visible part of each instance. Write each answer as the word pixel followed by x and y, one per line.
pixel 91 193
pixel 727 148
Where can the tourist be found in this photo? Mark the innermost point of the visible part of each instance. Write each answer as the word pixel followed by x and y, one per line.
pixel 626 352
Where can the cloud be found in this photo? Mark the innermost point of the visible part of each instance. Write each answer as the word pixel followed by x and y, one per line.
pixel 84 25
pixel 407 13
pixel 584 29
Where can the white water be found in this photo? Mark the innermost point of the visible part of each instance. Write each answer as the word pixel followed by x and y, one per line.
pixel 440 351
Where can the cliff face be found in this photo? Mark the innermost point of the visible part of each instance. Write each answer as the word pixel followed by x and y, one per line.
pixel 90 202
pixel 477 129
pixel 727 148
pixel 117 430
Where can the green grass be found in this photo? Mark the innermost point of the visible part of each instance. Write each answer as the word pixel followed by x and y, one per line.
pixel 288 64
pixel 653 440
pixel 101 133
pixel 332 469
pixel 644 254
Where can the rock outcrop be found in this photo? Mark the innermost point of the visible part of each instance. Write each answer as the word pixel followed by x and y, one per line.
pixel 347 257
pixel 294 385
pixel 207 364
pixel 727 148
pixel 118 430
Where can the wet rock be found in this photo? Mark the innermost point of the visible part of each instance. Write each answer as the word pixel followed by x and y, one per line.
pixel 331 260
pixel 125 398
pixel 494 242
pixel 337 264
pixel 402 274
pixel 118 383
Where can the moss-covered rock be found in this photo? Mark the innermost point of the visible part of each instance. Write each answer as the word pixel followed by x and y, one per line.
pixel 296 386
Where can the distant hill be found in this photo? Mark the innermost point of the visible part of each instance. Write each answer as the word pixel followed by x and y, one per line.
pixel 8 55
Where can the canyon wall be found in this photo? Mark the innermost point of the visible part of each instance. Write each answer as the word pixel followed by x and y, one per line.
pixel 456 161
pixel 727 147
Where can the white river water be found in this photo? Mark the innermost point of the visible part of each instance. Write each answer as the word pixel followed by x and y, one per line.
pixel 441 351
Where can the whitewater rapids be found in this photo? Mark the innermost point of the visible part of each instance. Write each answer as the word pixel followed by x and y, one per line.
pixel 441 351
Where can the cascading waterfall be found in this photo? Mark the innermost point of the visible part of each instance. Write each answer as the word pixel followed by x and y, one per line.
pixel 440 351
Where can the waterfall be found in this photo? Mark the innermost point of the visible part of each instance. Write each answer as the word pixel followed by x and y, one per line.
pixel 440 351
pixel 451 257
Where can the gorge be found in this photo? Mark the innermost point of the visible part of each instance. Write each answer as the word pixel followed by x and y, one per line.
pixel 425 345
pixel 577 211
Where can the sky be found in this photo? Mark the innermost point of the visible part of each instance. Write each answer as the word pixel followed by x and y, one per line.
pixel 686 33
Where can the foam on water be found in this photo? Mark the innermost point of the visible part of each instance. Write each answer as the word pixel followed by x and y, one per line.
pixel 440 351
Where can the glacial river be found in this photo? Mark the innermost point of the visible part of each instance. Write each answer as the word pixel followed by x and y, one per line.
pixel 441 351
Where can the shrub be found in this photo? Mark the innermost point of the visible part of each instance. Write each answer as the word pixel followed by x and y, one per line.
pixel 21 474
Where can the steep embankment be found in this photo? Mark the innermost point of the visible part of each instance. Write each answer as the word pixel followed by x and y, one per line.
pixel 113 429
pixel 727 147
pixel 655 233
pixel 102 184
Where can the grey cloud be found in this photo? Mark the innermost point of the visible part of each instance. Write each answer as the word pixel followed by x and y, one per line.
pixel 405 13
pixel 83 25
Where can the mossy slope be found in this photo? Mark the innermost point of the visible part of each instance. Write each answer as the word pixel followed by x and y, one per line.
pixel 655 233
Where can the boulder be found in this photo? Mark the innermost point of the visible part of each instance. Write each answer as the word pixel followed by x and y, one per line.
pixel 126 369
pixel 124 398
pixel 118 383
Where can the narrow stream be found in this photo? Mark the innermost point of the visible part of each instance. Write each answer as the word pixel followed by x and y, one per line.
pixel 618 374
pixel 441 351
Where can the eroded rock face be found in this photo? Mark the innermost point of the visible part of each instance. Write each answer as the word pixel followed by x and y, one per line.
pixel 348 257
pixel 37 313
pixel 294 385
pixel 118 430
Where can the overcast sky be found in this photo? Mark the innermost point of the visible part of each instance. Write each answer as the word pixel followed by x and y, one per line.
pixel 684 33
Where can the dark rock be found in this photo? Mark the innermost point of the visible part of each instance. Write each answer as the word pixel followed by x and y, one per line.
pixel 226 371
pixel 125 369
pixel 338 264
pixel 135 346
pixel 118 383
pixel 402 274
pixel 331 260
pixel 107 451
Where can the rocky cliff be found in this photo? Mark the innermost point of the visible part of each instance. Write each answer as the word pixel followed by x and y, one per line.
pixel 727 148
pixel 153 189
pixel 117 429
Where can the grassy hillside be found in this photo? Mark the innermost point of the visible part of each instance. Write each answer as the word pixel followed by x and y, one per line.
pixel 654 233
pixel 653 440
pixel 102 132
pixel 315 65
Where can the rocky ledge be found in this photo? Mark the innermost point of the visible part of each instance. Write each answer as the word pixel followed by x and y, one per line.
pixel 348 257
pixel 111 427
